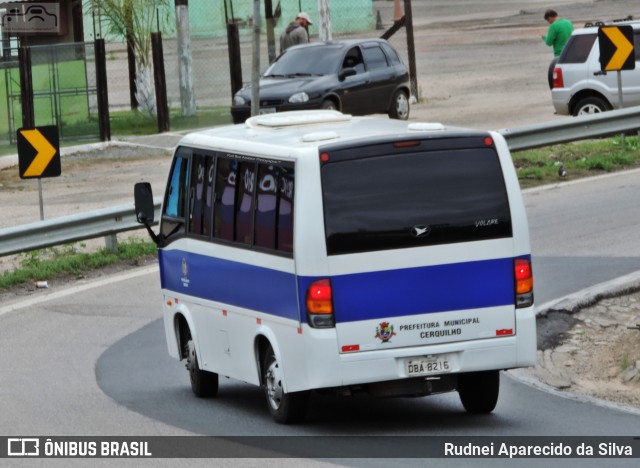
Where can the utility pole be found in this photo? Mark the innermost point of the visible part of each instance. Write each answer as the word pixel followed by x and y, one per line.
pixel 185 61
pixel 255 64
pixel 411 49
pixel 324 20
pixel 271 38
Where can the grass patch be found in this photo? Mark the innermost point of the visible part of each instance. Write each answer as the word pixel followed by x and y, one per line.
pixel 40 265
pixel 582 159
pixel 127 123
pixel 140 123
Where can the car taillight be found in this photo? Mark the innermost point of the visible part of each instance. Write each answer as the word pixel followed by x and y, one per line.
pixel 319 301
pixel 523 282
pixel 558 81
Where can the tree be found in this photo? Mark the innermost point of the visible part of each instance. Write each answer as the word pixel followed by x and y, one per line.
pixel 135 20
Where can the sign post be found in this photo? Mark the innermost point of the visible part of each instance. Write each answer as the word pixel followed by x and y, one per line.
pixel 39 155
pixel 617 53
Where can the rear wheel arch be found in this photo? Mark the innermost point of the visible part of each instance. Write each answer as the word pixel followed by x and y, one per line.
pixel 183 334
pixel 261 346
pixel 587 94
pixel 331 99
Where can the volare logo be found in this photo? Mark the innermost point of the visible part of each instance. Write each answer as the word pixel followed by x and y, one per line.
pixel 420 231
pixel 23 447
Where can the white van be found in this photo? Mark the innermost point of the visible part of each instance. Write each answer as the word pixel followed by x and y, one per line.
pixel 312 250
pixel 579 85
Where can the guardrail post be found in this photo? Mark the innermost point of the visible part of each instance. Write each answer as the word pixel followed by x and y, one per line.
pixel 111 243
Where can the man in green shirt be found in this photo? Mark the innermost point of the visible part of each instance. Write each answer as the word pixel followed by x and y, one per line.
pixel 560 30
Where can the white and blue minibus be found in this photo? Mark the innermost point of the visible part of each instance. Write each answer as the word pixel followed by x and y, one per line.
pixel 313 250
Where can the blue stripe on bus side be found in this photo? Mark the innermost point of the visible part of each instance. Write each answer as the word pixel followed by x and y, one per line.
pixel 237 284
pixel 422 290
pixel 360 296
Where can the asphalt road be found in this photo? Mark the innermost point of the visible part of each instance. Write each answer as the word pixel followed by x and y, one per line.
pixel 583 233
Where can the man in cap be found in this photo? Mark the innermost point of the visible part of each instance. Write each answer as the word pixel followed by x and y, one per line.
pixel 296 32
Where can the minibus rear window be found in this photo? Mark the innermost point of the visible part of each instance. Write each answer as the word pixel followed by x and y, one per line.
pixel 414 199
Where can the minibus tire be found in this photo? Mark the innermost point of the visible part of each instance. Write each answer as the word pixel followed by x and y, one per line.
pixel 285 408
pixel 479 391
pixel 203 384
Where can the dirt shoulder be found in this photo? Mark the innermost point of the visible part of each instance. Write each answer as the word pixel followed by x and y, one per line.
pixel 598 353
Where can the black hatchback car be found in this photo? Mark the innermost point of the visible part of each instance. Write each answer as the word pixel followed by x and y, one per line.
pixel 356 77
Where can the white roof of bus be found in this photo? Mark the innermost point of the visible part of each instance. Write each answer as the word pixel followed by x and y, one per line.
pixel 304 129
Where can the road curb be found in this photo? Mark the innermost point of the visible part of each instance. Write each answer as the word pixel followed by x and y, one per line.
pixel 572 303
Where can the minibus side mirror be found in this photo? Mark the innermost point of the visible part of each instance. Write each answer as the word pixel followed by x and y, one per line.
pixel 145 210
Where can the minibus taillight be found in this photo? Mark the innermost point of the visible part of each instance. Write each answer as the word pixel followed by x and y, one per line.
pixel 320 304
pixel 524 282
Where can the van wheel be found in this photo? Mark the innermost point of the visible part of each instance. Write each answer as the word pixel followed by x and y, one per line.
pixel 590 105
pixel 399 106
pixel 285 408
pixel 479 391
pixel 203 384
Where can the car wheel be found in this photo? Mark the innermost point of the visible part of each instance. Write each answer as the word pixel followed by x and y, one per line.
pixel 284 407
pixel 479 391
pixel 329 104
pixel 203 384
pixel 399 106
pixel 590 105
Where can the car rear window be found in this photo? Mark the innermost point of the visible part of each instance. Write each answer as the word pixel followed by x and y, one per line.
pixel 577 49
pixel 414 199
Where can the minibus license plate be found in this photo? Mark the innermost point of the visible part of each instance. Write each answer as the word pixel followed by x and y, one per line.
pixel 428 365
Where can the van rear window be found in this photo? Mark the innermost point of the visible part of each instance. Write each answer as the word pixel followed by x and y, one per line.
pixel 414 199
pixel 577 49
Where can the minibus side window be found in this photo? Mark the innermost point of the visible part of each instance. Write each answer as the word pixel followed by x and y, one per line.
pixel 175 204
pixel 200 194
pixel 225 198
pixel 244 202
pixel 253 203
pixel 285 209
pixel 267 206
pixel 274 210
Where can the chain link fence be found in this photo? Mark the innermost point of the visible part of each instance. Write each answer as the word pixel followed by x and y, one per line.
pixel 70 97
pixel 64 91
pixel 210 53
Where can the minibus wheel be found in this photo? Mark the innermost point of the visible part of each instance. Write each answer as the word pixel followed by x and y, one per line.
pixel 479 391
pixel 284 407
pixel 203 384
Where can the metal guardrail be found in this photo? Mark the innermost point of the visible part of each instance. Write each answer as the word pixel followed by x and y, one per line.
pixel 111 221
pixel 573 129
pixel 77 227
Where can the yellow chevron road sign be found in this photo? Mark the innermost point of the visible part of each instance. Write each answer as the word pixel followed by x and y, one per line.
pixel 616 48
pixel 39 152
